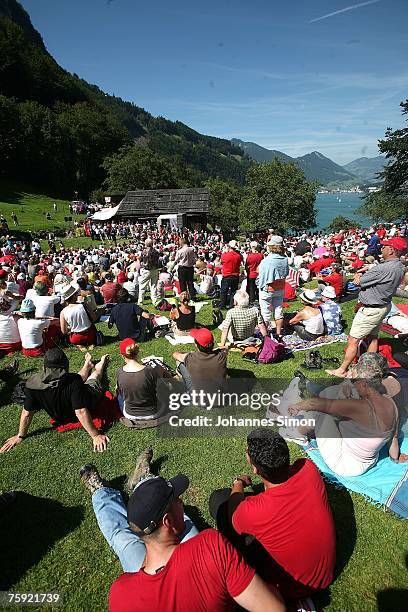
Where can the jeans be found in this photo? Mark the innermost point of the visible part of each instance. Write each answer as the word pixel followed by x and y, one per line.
pixel 252 290
pixel 229 285
pixel 111 514
pixel 188 381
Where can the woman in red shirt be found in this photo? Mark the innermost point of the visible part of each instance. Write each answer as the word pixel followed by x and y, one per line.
pixel 253 260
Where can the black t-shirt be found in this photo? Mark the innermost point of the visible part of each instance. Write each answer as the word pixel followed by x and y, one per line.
pixel 138 391
pixel 60 402
pixel 125 317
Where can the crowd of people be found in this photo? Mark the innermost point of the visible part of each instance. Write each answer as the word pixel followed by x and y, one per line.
pixel 265 553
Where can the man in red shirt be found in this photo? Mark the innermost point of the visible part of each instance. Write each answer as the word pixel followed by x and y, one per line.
pixel 291 518
pixel 253 260
pixel 110 290
pixel 231 261
pixel 317 266
pixel 335 279
pixel 202 573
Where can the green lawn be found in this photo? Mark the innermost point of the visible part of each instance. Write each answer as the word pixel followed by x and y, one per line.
pixel 51 541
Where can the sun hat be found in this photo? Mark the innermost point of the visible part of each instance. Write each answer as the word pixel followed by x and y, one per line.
pixel 27 305
pixel 329 292
pixel 202 336
pixel 275 241
pixel 149 500
pixel 68 292
pixel 370 365
pixel 233 244
pixel 309 297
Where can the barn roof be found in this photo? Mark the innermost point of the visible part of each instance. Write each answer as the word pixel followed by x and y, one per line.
pixel 154 202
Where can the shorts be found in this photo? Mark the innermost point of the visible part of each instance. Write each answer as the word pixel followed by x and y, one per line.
pixel 96 389
pixel 367 321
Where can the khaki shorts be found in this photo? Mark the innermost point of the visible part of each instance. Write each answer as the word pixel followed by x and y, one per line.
pixel 367 321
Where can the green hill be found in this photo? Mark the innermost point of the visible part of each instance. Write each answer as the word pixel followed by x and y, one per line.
pixel 44 109
pixel 366 168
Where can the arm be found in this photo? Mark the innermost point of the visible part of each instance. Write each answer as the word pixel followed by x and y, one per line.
pixel 297 318
pixel 25 420
pixel 180 356
pixel 100 441
pixel 63 324
pixel 347 408
pixel 260 597
pixel 224 336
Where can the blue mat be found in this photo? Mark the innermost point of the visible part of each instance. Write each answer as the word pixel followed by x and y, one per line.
pixel 385 484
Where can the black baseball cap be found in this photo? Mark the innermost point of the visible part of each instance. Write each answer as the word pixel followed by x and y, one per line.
pixel 148 502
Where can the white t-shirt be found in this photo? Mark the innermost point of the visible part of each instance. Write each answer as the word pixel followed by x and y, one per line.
pixel 31 332
pixel 9 333
pixel 76 318
pixel 44 304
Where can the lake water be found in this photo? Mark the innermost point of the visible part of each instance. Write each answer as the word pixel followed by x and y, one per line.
pixel 328 207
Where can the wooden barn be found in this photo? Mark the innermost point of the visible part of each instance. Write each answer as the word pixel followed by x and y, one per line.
pixel 184 207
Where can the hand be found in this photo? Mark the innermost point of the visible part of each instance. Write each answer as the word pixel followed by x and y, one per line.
pixel 293 410
pixel 10 443
pixel 247 482
pixel 402 458
pixel 100 443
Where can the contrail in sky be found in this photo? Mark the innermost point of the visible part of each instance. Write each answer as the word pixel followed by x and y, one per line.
pixel 344 10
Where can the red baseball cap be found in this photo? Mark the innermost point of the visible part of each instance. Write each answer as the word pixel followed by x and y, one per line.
pixel 124 345
pixel 202 336
pixel 398 243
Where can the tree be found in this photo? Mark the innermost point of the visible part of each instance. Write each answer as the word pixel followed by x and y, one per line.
pixel 138 168
pixel 383 206
pixel 225 200
pixel 395 147
pixel 341 223
pixel 277 195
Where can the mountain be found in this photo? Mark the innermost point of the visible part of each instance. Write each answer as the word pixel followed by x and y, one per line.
pixel 365 168
pixel 44 109
pixel 316 166
pixel 258 153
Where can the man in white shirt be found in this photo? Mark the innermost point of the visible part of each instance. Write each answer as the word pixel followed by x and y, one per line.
pixel 44 303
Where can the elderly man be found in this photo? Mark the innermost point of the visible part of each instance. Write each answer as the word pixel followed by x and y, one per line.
pixel 271 283
pixel 231 261
pixel 242 320
pixel 186 258
pixel 65 397
pixel 377 286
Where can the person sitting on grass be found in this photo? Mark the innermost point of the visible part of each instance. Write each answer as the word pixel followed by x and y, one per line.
pixel 36 334
pixel 242 320
pixel 136 388
pixel 182 316
pixel 308 323
pixel 76 320
pixel 169 565
pixel 44 303
pixel 331 312
pixel 351 432
pixel 131 320
pixel 290 518
pixel 65 397
pixel 205 368
pixel 10 341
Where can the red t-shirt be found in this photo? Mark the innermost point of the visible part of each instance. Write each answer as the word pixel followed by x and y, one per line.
pixel 252 262
pixel 110 292
pixel 336 281
pixel 122 278
pixel 231 263
pixel 317 266
pixel 203 574
pixel 294 524
pixel 381 233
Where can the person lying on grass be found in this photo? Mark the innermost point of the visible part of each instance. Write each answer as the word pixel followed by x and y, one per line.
pixel 65 397
pixel 293 541
pixel 163 554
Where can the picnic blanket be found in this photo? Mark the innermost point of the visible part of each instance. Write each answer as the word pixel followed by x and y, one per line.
pixel 294 343
pixel 106 413
pixel 385 484
pixel 174 340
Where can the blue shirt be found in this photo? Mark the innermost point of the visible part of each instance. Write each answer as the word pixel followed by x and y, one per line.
pixel 331 314
pixel 273 267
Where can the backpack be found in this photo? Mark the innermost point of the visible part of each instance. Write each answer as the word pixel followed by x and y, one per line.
pixel 217 317
pixel 313 361
pixel 271 351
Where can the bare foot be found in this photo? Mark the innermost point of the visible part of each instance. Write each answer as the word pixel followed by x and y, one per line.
pixel 88 360
pixel 103 362
pixel 339 373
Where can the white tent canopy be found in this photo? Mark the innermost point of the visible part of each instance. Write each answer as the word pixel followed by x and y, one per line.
pixel 171 218
pixel 105 213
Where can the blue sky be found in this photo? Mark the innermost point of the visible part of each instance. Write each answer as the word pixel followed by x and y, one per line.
pixel 288 75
